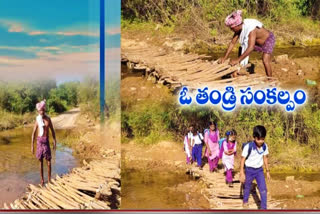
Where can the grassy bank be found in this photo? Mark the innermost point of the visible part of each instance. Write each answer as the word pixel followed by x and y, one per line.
pixel 150 114
pixel 201 23
pixel 11 120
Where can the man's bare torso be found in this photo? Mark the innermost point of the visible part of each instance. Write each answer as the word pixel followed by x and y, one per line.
pixel 47 122
pixel 261 36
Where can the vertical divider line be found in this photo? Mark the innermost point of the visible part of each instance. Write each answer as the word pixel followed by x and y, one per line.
pixel 102 61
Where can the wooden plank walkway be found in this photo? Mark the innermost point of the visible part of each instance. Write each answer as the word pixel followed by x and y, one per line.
pixel 95 185
pixel 177 69
pixel 221 196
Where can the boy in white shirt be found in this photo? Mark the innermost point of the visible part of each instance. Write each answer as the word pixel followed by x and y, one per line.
pixel 196 143
pixel 254 155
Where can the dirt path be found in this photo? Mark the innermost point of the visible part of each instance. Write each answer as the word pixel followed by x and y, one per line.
pixel 66 120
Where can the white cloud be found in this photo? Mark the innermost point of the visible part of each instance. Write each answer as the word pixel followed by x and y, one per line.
pixel 19 27
pixel 49 66
pixel 12 26
pixel 77 33
pixel 113 31
pixel 52 48
pixel 71 65
pixel 34 33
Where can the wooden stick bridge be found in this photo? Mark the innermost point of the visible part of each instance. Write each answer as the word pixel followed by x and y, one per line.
pixel 220 196
pixel 96 185
pixel 177 69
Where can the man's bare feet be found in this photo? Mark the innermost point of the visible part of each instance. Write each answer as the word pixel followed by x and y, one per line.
pixel 42 183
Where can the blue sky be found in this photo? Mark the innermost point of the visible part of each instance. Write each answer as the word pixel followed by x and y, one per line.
pixel 55 37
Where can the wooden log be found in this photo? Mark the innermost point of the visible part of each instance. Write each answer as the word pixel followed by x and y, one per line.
pixel 67 204
pixel 39 203
pixel 49 199
pixel 31 205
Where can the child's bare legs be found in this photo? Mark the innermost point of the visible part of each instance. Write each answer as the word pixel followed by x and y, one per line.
pixel 266 59
pixel 49 170
pixel 41 172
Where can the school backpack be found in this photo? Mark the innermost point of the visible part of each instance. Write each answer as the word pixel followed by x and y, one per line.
pixel 264 147
pixel 202 140
pixel 204 134
pixel 221 147
pixel 221 141
pixel 205 131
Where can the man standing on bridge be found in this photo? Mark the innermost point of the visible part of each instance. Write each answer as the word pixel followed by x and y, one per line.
pixel 252 36
pixel 43 124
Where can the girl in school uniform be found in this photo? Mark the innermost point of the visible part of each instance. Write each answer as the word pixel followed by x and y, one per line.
pixel 188 148
pixel 211 139
pixel 229 151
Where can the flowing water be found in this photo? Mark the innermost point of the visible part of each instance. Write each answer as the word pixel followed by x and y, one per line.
pixel 19 167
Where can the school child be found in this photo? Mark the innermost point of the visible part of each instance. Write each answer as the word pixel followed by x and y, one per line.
pixel 190 133
pixel 189 136
pixel 187 148
pixel 254 155
pixel 229 149
pixel 211 139
pixel 43 124
pixel 196 143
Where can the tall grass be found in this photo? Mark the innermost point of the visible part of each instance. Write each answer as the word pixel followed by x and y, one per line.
pixel 10 120
pixel 292 20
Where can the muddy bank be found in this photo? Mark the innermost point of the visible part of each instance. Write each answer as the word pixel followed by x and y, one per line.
pixel 296 194
pixel 161 188
pixel 153 180
pixel 300 193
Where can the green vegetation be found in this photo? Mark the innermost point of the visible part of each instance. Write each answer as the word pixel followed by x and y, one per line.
pixel 89 98
pixel 21 97
pixel 18 99
pixel 292 21
pixel 293 138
